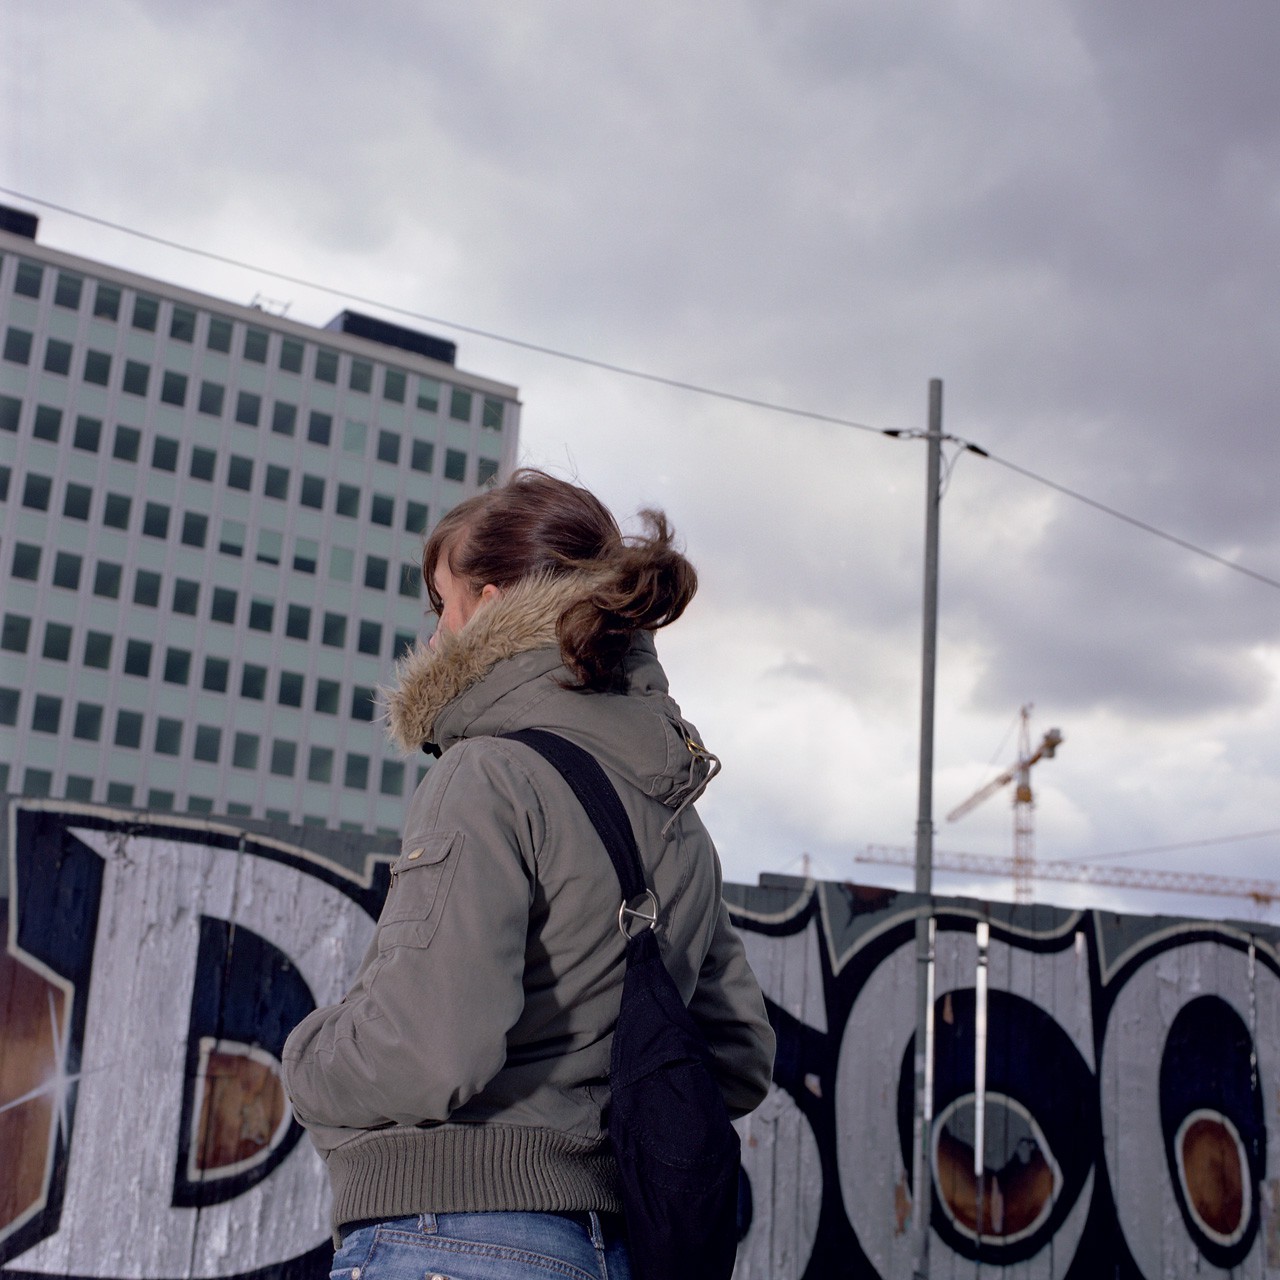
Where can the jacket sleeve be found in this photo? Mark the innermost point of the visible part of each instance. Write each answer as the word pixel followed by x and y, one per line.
pixel 729 1007
pixel 424 1027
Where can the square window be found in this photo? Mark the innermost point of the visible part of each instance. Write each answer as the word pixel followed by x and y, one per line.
pixel 392 783
pixel 223 608
pixel 146 588
pixel 160 801
pixel 195 529
pixel 375 573
pixel 291 355
pixel 361 376
pixel 362 703
pixel 253 682
pixel 38 782
pixel 290 693
pixel 334 630
pixel 319 427
pixel 244 751
pixel 208 743
pixel 88 434
pixel 369 637
pixel 128 442
pixel 212 396
pixel 320 765
pixel 168 740
pixel 164 453
pixel 393 382
pixel 57 642
pixel 136 377
pixel 66 570
pixel 389 447
pixel 306 554
pixel 177 666
pixel 238 810
pixel 231 540
pixel 429 394
pixel 284 757
pixel 277 482
pixel 342 562
pixel 146 311
pixel 327 694
pixel 356 773
pixel 217 672
pixel 261 614
pixel 239 472
pixel 106 302
pixel 403 644
pixel 9 699
pixel 106 580
pixel 348 501
pixel 119 793
pixel 67 292
pixel 36 491
pixel 182 325
pixel 297 624
pixel 354 435
pixel 416 517
pixel 491 414
pixel 15 633
pixel 270 542
pixel 411 580
pixel 248 408
pixel 255 345
pixel 5 474
pixel 48 423
pixel 79 788
pixel 422 456
pixel 284 418
pixel 128 729
pixel 97 368
pixel 382 509
pixel 486 470
pixel 186 598
pixel 199 804
pixel 455 464
pixel 137 658
pixel 173 388
pixel 97 650
pixel 10 413
pixel 26 561
pixel 88 722
pixel 46 714
pixel 219 336
pixel 155 520
pixel 203 462
pixel 326 365
pixel 57 357
pixel 312 492
pixel 28 278
pixel 17 346
pixel 460 405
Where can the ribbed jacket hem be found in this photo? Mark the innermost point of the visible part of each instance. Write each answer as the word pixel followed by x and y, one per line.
pixel 391 1173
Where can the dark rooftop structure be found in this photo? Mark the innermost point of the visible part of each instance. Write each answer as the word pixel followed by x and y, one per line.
pixel 394 335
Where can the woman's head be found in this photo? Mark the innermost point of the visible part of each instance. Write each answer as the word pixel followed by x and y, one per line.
pixel 538 526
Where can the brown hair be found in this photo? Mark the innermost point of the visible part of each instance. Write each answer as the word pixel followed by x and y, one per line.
pixel 537 525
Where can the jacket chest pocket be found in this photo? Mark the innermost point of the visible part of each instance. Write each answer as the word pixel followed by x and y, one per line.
pixel 420 880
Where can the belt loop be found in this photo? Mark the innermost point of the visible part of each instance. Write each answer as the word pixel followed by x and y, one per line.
pixel 597 1231
pixel 427 1224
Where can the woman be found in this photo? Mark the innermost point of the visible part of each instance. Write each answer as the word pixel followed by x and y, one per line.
pixel 456 1093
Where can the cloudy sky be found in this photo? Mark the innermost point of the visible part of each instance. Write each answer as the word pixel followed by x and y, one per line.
pixel 1068 211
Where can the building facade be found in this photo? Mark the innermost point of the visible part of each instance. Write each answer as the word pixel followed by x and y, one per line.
pixel 211 519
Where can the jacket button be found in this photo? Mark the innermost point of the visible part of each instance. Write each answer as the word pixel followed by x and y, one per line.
pixel 417 853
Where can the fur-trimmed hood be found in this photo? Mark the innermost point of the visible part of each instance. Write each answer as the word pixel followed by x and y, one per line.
pixel 503 671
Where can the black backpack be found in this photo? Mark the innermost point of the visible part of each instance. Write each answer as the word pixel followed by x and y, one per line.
pixel 677 1153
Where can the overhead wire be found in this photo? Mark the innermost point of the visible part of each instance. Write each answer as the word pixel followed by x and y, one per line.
pixel 678 384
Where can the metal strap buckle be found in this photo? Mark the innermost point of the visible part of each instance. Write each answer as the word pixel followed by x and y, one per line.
pixel 646 911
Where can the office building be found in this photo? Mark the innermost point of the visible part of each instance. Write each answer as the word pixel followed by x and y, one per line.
pixel 211 519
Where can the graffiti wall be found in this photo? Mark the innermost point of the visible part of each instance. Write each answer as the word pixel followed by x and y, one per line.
pixel 1106 1089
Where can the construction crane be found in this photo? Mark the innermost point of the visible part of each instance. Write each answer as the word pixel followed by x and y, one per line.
pixel 1023 801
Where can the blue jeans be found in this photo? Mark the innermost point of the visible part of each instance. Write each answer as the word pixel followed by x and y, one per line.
pixel 485 1246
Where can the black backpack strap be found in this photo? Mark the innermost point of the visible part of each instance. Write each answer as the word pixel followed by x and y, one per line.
pixel 582 771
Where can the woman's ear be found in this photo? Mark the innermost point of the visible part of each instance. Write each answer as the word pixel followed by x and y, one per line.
pixel 489 593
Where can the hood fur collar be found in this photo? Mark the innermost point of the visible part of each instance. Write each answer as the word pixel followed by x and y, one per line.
pixel 426 680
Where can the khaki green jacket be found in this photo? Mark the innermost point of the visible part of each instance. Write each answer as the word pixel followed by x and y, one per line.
pixel 467 1068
